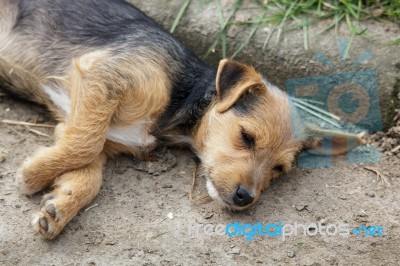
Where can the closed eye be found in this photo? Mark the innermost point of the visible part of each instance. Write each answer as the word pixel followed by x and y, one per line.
pixel 247 139
pixel 278 169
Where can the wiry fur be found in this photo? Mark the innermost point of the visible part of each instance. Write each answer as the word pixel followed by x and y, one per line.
pixel 120 84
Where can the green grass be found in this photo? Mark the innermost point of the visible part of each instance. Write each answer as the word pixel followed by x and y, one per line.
pixel 180 14
pixel 277 14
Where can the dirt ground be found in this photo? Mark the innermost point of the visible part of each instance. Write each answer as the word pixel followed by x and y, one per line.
pixel 128 223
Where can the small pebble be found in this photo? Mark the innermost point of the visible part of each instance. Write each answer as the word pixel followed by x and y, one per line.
pixel 291 254
pixel 208 215
pixel 111 243
pixel 301 206
pixel 17 206
pixel 234 251
pixel 166 186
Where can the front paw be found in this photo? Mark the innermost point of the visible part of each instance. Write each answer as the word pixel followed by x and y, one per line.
pixel 24 182
pixel 46 222
pixel 34 174
pixel 57 209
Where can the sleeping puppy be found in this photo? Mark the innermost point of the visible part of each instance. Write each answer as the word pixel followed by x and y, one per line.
pixel 118 83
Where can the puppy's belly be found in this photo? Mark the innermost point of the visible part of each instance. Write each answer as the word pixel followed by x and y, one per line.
pixel 135 135
pixel 60 99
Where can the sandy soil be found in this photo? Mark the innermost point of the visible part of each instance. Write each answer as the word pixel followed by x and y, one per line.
pixel 128 222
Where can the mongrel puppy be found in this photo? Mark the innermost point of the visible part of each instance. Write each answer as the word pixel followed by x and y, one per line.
pixel 118 83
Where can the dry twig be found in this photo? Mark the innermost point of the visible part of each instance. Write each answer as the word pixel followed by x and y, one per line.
pixel 22 123
pixel 200 199
pixel 94 205
pixel 39 133
pixel 384 179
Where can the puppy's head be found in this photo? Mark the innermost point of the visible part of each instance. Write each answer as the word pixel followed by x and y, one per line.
pixel 248 137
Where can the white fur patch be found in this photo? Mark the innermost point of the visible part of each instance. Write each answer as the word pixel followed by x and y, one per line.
pixel 135 135
pixel 60 98
pixel 212 191
pixel 35 219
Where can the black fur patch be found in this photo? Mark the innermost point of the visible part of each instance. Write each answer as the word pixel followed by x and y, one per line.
pixel 230 75
pixel 22 95
pixel 246 104
pixel 88 24
pixel 192 93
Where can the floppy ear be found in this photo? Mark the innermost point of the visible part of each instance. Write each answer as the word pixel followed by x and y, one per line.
pixel 234 80
pixel 328 142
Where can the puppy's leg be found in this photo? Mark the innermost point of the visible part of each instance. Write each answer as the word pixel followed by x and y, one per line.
pixel 82 138
pixel 72 191
pixel 59 130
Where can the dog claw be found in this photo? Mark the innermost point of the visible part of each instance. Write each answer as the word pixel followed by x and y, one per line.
pixel 45 199
pixel 51 219
pixel 51 210
pixel 43 223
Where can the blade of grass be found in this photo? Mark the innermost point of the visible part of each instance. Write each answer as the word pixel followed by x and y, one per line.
pixel 328 5
pixel 305 32
pixel 222 31
pixel 268 38
pixel 180 15
pixel 349 9
pixel 359 9
pixel 237 5
pixel 334 24
pixel 319 8
pixel 313 101
pixel 333 123
pixel 223 45
pixel 353 33
pixel 338 18
pixel 346 54
pixel 278 37
pixel 315 108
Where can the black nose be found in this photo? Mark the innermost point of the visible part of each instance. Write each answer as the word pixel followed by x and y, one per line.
pixel 242 197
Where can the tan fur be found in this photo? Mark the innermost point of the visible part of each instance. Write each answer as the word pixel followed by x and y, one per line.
pixel 252 80
pixel 275 129
pixel 82 137
pixel 72 191
pixel 219 141
pixel 93 110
